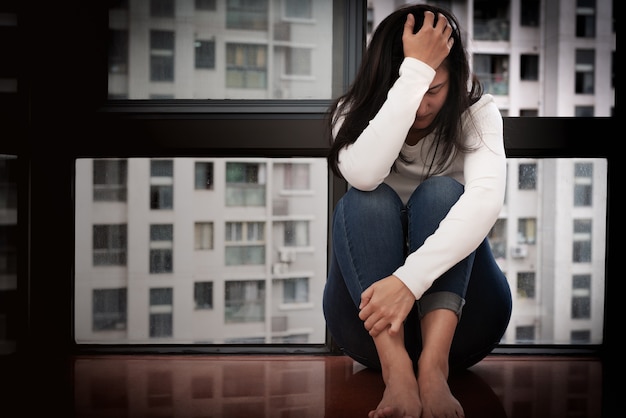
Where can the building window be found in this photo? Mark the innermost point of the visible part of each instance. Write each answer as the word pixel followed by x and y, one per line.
pixel 491 20
pixel 161 248
pixel 245 184
pixel 203 236
pixel 296 176
pixel 529 67
pixel 249 240
pixel 497 239
pixel 296 234
pixel 244 301
pixel 161 184
pixel 246 66
pixel 583 184
pixel 493 72
pixel 580 336
pixel 525 334
pixel 582 241
pixel 526 285
pixel 109 180
pixel 206 5
pixel 109 245
pixel 161 8
pixel 247 14
pixel 583 111
pixel 299 9
pixel 203 295
pixel 527 176
pixel 205 54
pixel 161 55
pixel 530 13
pixel 581 296
pixel 585 18
pixel 526 230
pixel 161 312
pixel 529 113
pixel 109 309
pixel 296 290
pixel 203 176
pixel 585 59
pixel 118 51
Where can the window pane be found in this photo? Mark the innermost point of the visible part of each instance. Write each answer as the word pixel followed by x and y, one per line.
pixel 264 265
pixel 232 49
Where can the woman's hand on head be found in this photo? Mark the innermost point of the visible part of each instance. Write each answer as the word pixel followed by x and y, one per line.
pixel 432 43
pixel 385 304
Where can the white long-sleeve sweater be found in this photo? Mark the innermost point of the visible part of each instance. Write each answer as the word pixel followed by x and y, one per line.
pixel 368 161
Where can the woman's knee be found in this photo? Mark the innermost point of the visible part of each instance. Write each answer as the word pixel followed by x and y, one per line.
pixel 383 199
pixel 437 191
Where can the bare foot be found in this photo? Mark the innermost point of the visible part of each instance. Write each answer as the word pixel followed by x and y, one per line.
pixel 437 400
pixel 400 399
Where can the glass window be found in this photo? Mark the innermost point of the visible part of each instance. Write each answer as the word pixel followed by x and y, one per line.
pixel 583 184
pixel 203 295
pixel 232 49
pixel 244 301
pixel 526 230
pixel 161 248
pixel 530 13
pixel 161 312
pixel 585 64
pixel 582 241
pixel 581 296
pixel 109 180
pixel 526 285
pixel 245 184
pixel 497 238
pixel 585 18
pixel 493 72
pixel 109 309
pixel 529 67
pixel 204 175
pixel 203 235
pixel 161 184
pixel 296 290
pixel 527 176
pixel 491 20
pixel 109 245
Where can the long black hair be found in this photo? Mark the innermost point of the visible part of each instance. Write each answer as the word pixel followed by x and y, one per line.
pixel 379 70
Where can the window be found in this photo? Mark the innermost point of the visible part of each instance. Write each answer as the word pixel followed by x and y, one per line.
pixel 526 230
pixel 208 5
pixel 203 235
pixel 497 238
pixel 582 241
pixel 299 9
pixel 203 295
pixel 296 234
pixel 246 66
pixel 205 54
pixel 162 8
pixel 161 309
pixel 527 176
pixel 298 61
pixel 525 334
pixel 118 51
pixel 581 296
pixel 585 18
pixel 244 301
pixel 583 184
pixel 529 67
pixel 526 285
pixel 250 238
pixel 296 176
pixel 161 55
pixel 583 111
pixel 109 245
pixel 493 72
pixel 109 180
pixel 491 20
pixel 585 59
pixel 580 336
pixel 109 309
pixel 296 290
pixel 161 248
pixel 204 176
pixel 247 14
pixel 245 184
pixel 530 13
pixel 161 184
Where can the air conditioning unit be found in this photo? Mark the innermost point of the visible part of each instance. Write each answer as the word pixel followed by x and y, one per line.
pixel 287 256
pixel 280 268
pixel 520 251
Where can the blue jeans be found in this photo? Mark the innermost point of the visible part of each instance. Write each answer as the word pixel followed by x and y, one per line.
pixel 372 233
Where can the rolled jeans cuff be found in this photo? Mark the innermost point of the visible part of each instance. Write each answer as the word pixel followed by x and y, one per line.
pixel 440 300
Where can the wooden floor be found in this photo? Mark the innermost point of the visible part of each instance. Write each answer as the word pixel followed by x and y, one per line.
pixel 254 386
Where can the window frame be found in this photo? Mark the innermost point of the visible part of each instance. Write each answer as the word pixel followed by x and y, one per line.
pixel 162 128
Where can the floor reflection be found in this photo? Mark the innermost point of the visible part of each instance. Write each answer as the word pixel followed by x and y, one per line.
pixel 317 386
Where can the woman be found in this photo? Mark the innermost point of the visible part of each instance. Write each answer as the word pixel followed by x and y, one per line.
pixel 413 288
